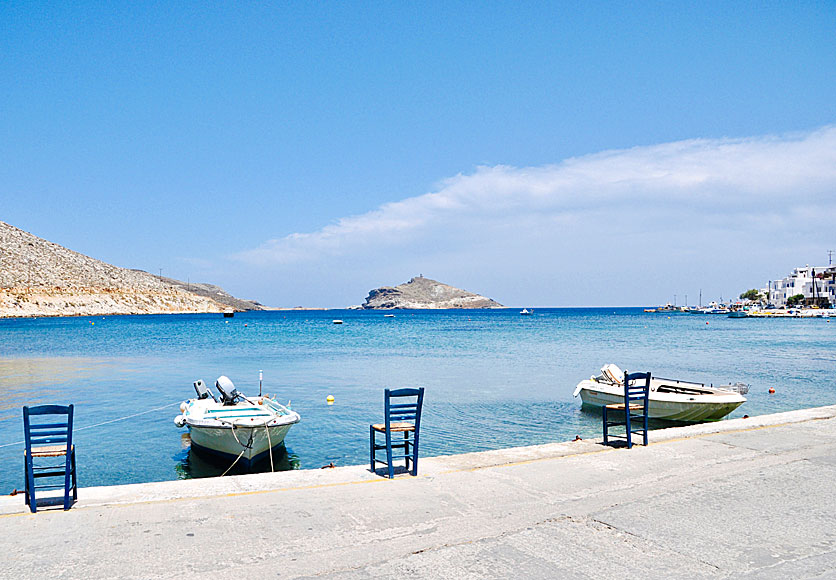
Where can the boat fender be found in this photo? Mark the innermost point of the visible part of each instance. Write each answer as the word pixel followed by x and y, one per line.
pixel 183 406
pixel 179 420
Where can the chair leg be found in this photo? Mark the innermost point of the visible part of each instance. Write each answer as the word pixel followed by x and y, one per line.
pixel 68 474
pixel 406 449
pixel 26 479
pixel 389 454
pixel 371 447
pixel 75 481
pixel 415 455
pixel 606 426
pixel 30 483
pixel 629 428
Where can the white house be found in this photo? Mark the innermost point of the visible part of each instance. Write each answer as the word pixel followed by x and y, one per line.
pixel 809 281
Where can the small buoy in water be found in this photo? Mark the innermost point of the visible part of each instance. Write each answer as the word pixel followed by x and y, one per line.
pixel 771 391
pixel 706 322
pixel 227 322
pixel 91 322
pixel 329 399
pixel 245 325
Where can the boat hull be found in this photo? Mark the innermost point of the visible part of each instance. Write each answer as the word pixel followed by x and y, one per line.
pixel 251 443
pixel 706 407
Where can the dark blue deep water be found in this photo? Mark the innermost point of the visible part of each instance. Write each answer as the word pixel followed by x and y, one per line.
pixel 494 378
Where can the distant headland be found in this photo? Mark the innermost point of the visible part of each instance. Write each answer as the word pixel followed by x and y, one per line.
pixel 424 293
pixel 41 278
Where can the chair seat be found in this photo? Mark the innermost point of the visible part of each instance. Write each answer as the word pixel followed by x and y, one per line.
pixel 49 451
pixel 620 407
pixel 381 427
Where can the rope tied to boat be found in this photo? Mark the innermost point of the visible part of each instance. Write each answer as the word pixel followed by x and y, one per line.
pixel 76 429
pixel 233 426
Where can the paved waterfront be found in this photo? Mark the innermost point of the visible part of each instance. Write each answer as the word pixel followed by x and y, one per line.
pixel 748 498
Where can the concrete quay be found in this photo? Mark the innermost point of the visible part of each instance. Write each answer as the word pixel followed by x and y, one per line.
pixel 746 498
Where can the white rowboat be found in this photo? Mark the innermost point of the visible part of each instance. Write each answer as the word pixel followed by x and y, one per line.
pixel 670 399
pixel 236 427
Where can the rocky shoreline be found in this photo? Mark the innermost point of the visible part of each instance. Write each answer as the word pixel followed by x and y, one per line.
pixel 85 301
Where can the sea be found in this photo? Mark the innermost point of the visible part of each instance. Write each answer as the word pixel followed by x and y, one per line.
pixel 494 379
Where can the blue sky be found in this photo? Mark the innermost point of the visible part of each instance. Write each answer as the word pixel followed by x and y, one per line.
pixel 538 153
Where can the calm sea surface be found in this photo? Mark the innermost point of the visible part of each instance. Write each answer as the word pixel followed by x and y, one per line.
pixel 494 378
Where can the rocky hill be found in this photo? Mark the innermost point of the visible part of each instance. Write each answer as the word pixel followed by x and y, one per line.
pixel 41 278
pixel 423 292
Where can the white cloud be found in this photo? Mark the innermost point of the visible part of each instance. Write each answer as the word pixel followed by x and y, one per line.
pixel 691 213
pixel 728 176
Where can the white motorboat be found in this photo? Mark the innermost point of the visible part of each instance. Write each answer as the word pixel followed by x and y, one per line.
pixel 236 427
pixel 670 399
pixel 526 312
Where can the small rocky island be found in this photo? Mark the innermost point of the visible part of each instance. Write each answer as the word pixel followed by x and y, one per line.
pixel 41 278
pixel 424 293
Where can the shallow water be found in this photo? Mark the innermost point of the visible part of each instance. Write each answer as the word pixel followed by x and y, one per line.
pixel 494 379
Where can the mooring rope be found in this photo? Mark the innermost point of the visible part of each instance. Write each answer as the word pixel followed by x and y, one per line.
pixel 244 450
pixel 269 447
pixel 249 444
pixel 104 422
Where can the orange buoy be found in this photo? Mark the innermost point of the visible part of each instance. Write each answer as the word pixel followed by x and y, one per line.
pixel 771 391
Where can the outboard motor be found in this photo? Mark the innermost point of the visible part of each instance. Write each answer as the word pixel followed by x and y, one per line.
pixel 203 391
pixel 229 394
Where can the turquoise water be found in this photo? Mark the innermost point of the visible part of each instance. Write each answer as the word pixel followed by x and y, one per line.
pixel 494 378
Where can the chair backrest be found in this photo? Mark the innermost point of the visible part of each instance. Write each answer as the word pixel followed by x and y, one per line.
pixel 636 387
pixel 406 406
pixel 56 426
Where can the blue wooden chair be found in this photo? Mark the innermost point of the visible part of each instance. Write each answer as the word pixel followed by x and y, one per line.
pixel 402 410
pixel 632 413
pixel 50 435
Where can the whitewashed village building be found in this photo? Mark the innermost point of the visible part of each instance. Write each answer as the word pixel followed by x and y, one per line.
pixel 816 283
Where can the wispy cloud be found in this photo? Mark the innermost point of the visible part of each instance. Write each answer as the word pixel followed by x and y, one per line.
pixel 713 181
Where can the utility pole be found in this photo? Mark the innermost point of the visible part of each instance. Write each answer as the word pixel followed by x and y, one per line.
pixel 830 257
